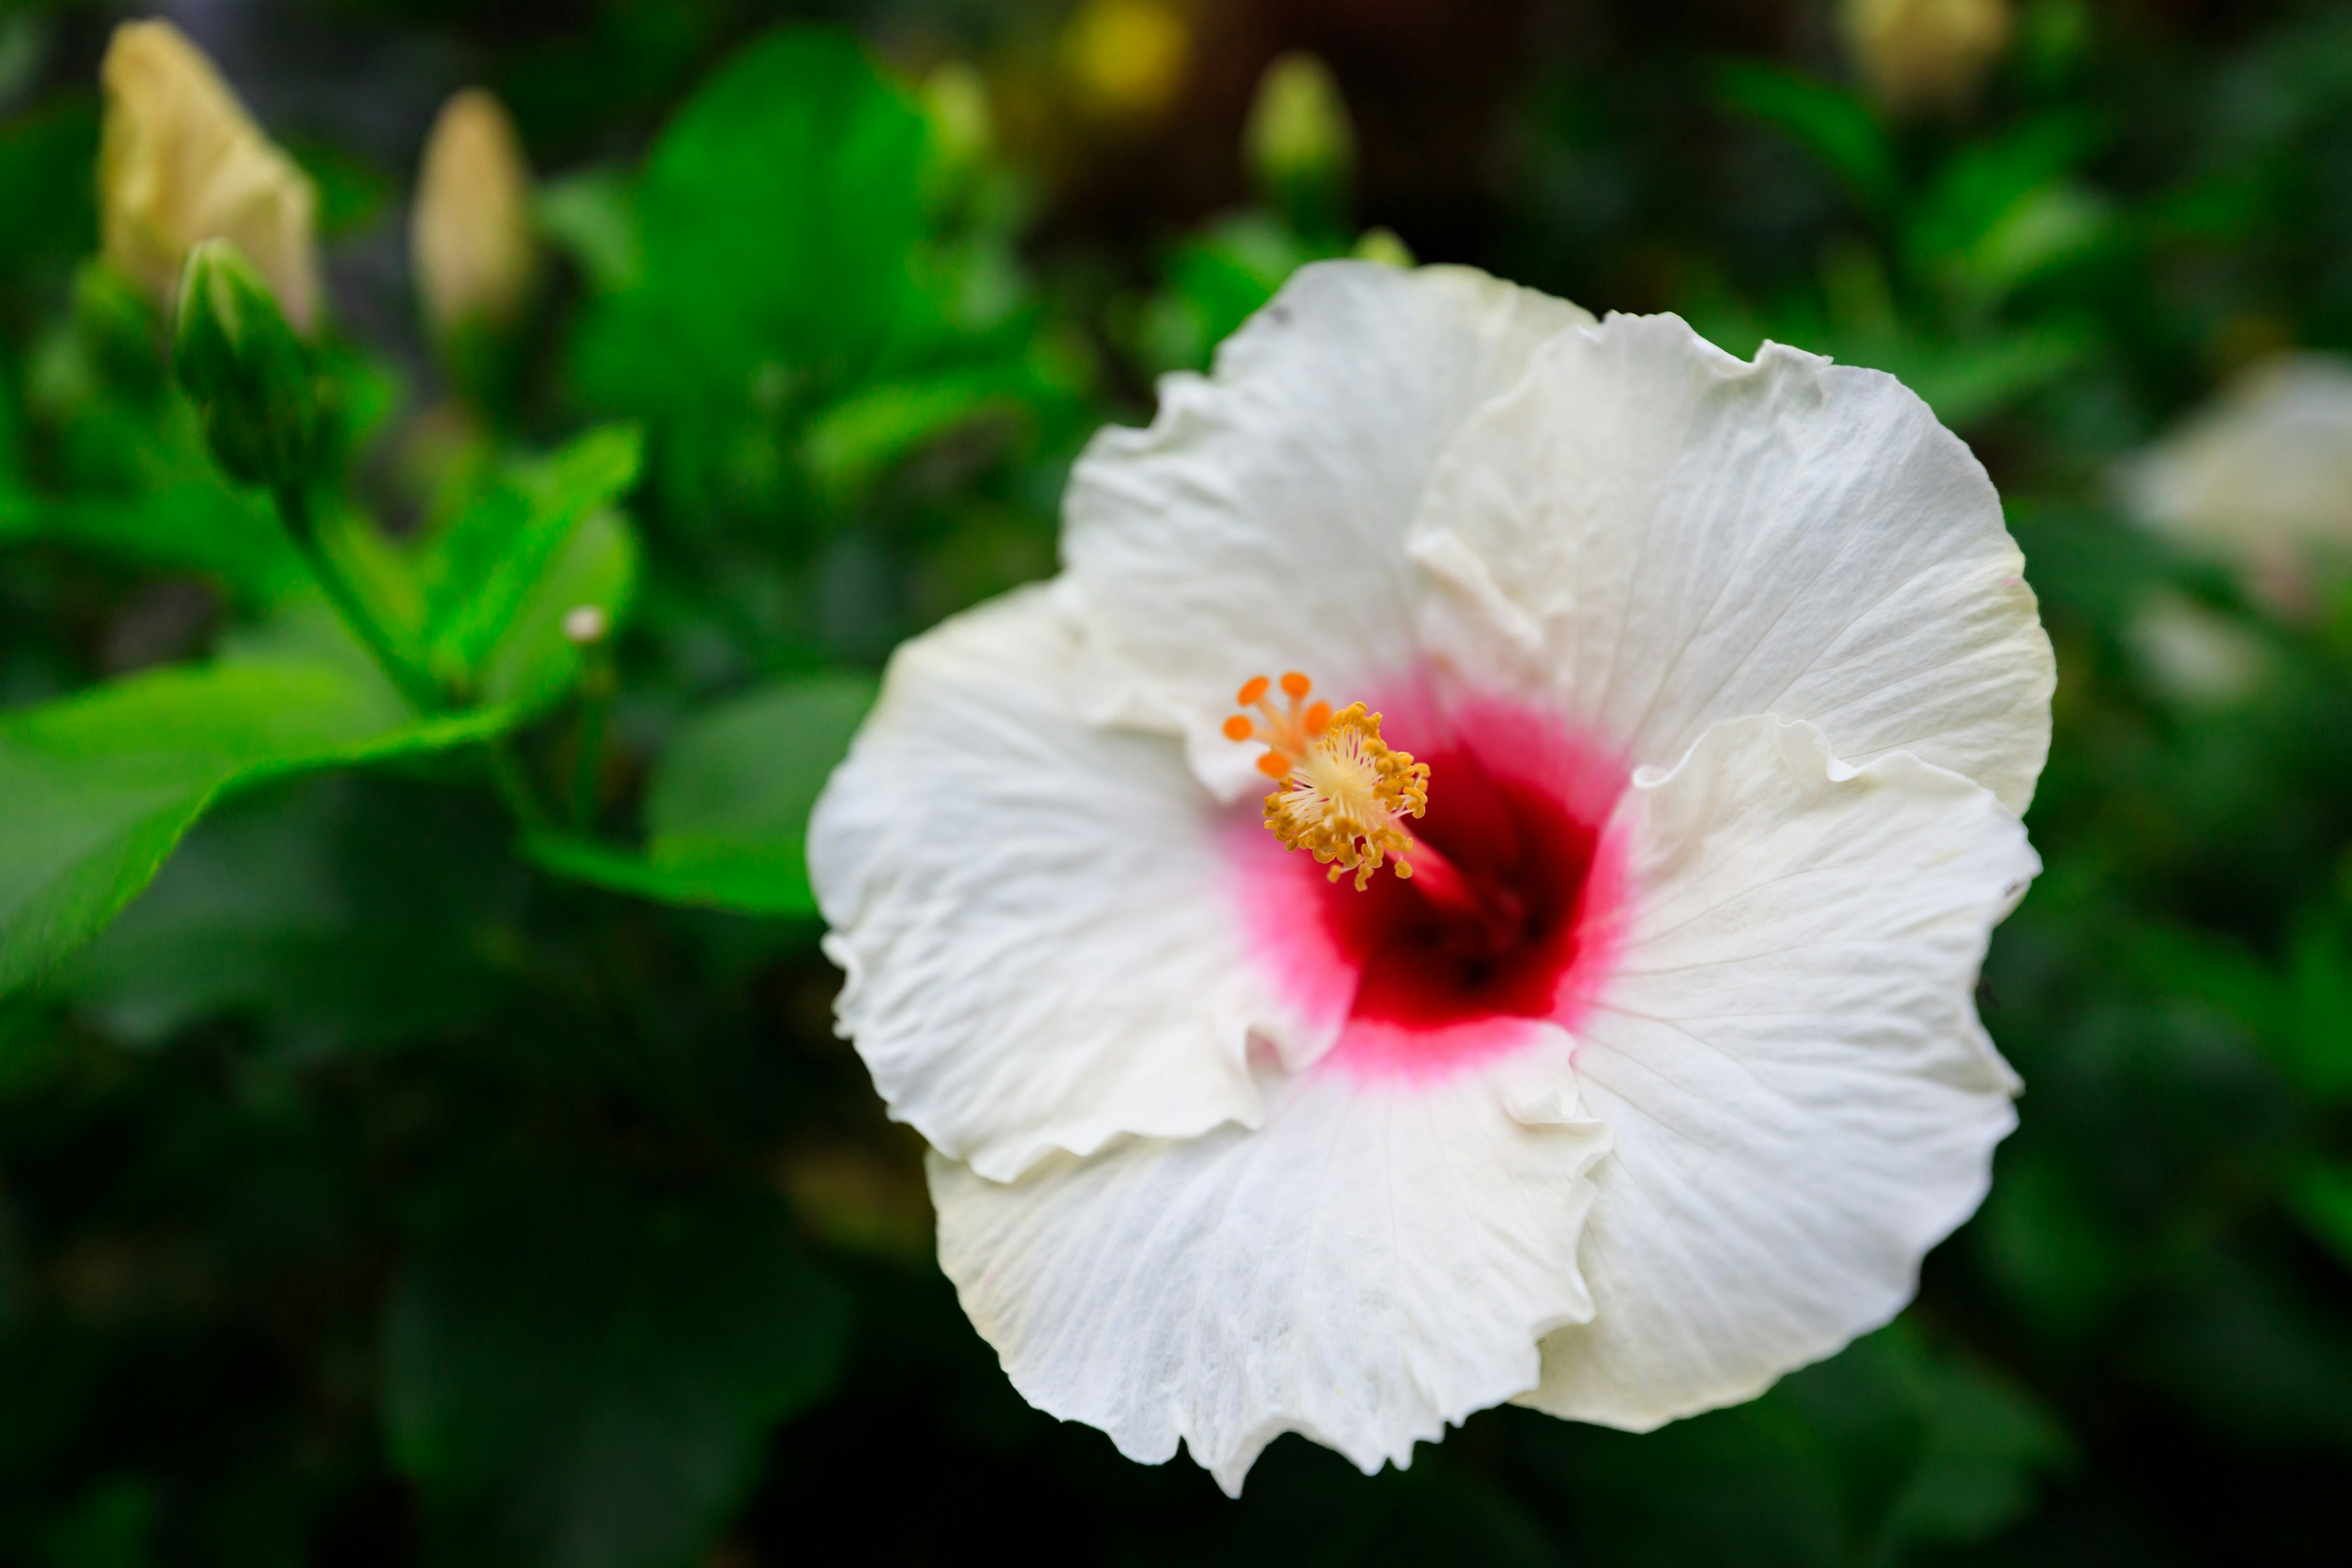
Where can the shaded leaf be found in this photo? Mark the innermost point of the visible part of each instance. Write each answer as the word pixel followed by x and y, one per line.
pixel 97 788
pixel 727 807
pixel 581 1378
pixel 1828 121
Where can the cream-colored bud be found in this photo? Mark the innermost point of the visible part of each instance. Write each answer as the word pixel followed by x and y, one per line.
pixel 180 161
pixel 2261 476
pixel 1919 55
pixel 470 234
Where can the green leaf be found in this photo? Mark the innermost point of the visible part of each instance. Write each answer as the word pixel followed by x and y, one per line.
pixel 777 217
pixel 2321 1198
pixel 97 789
pixel 534 663
pixel 1828 121
pixel 337 912
pixel 1990 1444
pixel 1214 283
pixel 1888 1444
pixel 861 437
pixel 197 525
pixel 492 560
pixel 580 1378
pixel 728 808
pixel 732 790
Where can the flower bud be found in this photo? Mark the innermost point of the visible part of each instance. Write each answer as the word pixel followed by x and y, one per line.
pixel 249 377
pixel 470 234
pixel 180 161
pixel 1916 55
pixel 963 125
pixel 1127 59
pixel 1300 146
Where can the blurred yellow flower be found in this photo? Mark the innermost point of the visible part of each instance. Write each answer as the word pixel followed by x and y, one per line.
pixel 180 161
pixel 1127 59
pixel 470 235
pixel 1924 54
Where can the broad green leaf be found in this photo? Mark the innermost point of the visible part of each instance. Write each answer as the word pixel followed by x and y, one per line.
pixel 2321 1198
pixel 727 810
pixel 577 1377
pixel 1888 1445
pixel 1828 121
pixel 97 789
pixel 777 215
pixel 592 215
pixel 196 524
pixel 731 791
pixel 534 663
pixel 858 439
pixel 1989 1445
pixel 337 912
pixel 1215 282
pixel 493 558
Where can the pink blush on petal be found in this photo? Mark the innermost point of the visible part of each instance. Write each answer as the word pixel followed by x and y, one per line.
pixel 1521 805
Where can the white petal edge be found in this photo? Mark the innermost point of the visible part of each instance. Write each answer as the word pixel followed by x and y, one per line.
pixel 1258 524
pixel 1789 1062
pixel 1031 911
pixel 1373 1263
pixel 1654 536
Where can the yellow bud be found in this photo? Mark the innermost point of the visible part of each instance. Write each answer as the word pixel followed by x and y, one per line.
pixel 470 235
pixel 1298 132
pixel 963 126
pixel 180 162
pixel 1919 55
pixel 1127 59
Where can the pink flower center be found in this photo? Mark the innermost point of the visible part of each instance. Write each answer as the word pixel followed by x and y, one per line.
pixel 1422 984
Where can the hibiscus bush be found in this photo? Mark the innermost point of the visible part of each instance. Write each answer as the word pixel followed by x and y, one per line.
pixel 463 470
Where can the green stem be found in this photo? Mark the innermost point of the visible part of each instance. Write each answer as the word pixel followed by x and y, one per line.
pixel 422 692
pixel 596 684
pixel 294 510
pixel 513 783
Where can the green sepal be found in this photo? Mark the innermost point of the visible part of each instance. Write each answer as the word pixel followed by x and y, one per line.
pixel 250 377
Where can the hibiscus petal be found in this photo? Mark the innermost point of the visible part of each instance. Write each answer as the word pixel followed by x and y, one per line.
pixel 1378 1260
pixel 1258 524
pixel 1031 911
pixel 1789 1061
pixel 1656 536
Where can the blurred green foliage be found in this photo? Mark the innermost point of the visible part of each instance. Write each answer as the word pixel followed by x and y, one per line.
pixel 443 1155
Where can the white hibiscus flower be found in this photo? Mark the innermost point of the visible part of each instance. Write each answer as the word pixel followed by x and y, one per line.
pixel 1643 1071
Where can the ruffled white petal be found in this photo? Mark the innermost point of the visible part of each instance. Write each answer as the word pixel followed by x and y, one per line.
pixel 1376 1262
pixel 1258 524
pixel 1789 1061
pixel 1654 536
pixel 1032 912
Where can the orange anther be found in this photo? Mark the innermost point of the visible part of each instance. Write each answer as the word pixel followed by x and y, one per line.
pixel 1239 729
pixel 1251 690
pixel 1295 685
pixel 1318 718
pixel 1274 766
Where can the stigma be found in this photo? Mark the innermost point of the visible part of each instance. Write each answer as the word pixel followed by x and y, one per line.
pixel 1341 791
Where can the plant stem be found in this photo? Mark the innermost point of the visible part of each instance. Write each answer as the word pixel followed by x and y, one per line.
pixel 514 785
pixel 596 684
pixel 413 684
